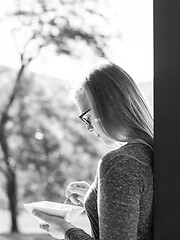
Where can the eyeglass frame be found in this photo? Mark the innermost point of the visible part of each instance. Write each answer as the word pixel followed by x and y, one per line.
pixel 84 119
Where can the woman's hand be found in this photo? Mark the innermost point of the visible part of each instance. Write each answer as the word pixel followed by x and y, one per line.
pixel 55 226
pixel 76 192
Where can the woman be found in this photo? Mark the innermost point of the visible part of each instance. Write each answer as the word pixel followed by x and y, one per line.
pixel 119 203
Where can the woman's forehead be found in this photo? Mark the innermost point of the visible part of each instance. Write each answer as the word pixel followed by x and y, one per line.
pixel 82 102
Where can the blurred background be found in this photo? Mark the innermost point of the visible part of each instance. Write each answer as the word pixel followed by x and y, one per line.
pixel 46 48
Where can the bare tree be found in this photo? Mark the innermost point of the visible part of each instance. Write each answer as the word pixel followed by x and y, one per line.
pixel 62 25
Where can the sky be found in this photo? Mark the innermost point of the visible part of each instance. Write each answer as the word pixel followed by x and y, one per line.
pixel 133 51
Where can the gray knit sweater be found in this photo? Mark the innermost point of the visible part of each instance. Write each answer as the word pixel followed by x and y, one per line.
pixel 119 203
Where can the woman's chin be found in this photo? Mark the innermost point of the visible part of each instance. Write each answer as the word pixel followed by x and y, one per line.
pixel 106 141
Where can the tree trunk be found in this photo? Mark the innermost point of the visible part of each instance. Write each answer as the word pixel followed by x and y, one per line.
pixel 11 174
pixel 12 197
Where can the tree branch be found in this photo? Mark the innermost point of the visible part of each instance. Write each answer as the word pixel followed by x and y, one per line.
pixel 4 117
pixel 3 171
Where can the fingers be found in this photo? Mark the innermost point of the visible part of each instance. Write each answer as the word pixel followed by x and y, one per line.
pixel 78 190
pixel 73 184
pixel 80 184
pixel 76 195
pixel 45 217
pixel 44 227
pixel 74 198
pixel 83 184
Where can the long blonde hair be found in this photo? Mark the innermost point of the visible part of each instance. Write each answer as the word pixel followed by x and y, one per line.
pixel 116 100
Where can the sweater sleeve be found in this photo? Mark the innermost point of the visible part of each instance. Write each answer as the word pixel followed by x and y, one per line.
pixel 118 202
pixel 119 197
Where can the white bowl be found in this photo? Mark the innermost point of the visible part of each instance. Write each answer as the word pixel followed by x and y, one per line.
pixel 66 211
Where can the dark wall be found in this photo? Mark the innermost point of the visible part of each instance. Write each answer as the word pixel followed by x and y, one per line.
pixel 167 119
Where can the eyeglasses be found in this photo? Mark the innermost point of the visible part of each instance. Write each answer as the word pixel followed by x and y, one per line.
pixel 85 119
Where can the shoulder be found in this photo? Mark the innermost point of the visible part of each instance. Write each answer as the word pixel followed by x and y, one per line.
pixel 134 158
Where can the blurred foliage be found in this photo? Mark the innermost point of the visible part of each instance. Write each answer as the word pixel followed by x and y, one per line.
pixel 48 142
pixel 66 27
pixel 40 136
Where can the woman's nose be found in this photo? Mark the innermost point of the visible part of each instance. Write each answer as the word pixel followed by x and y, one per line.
pixel 89 128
